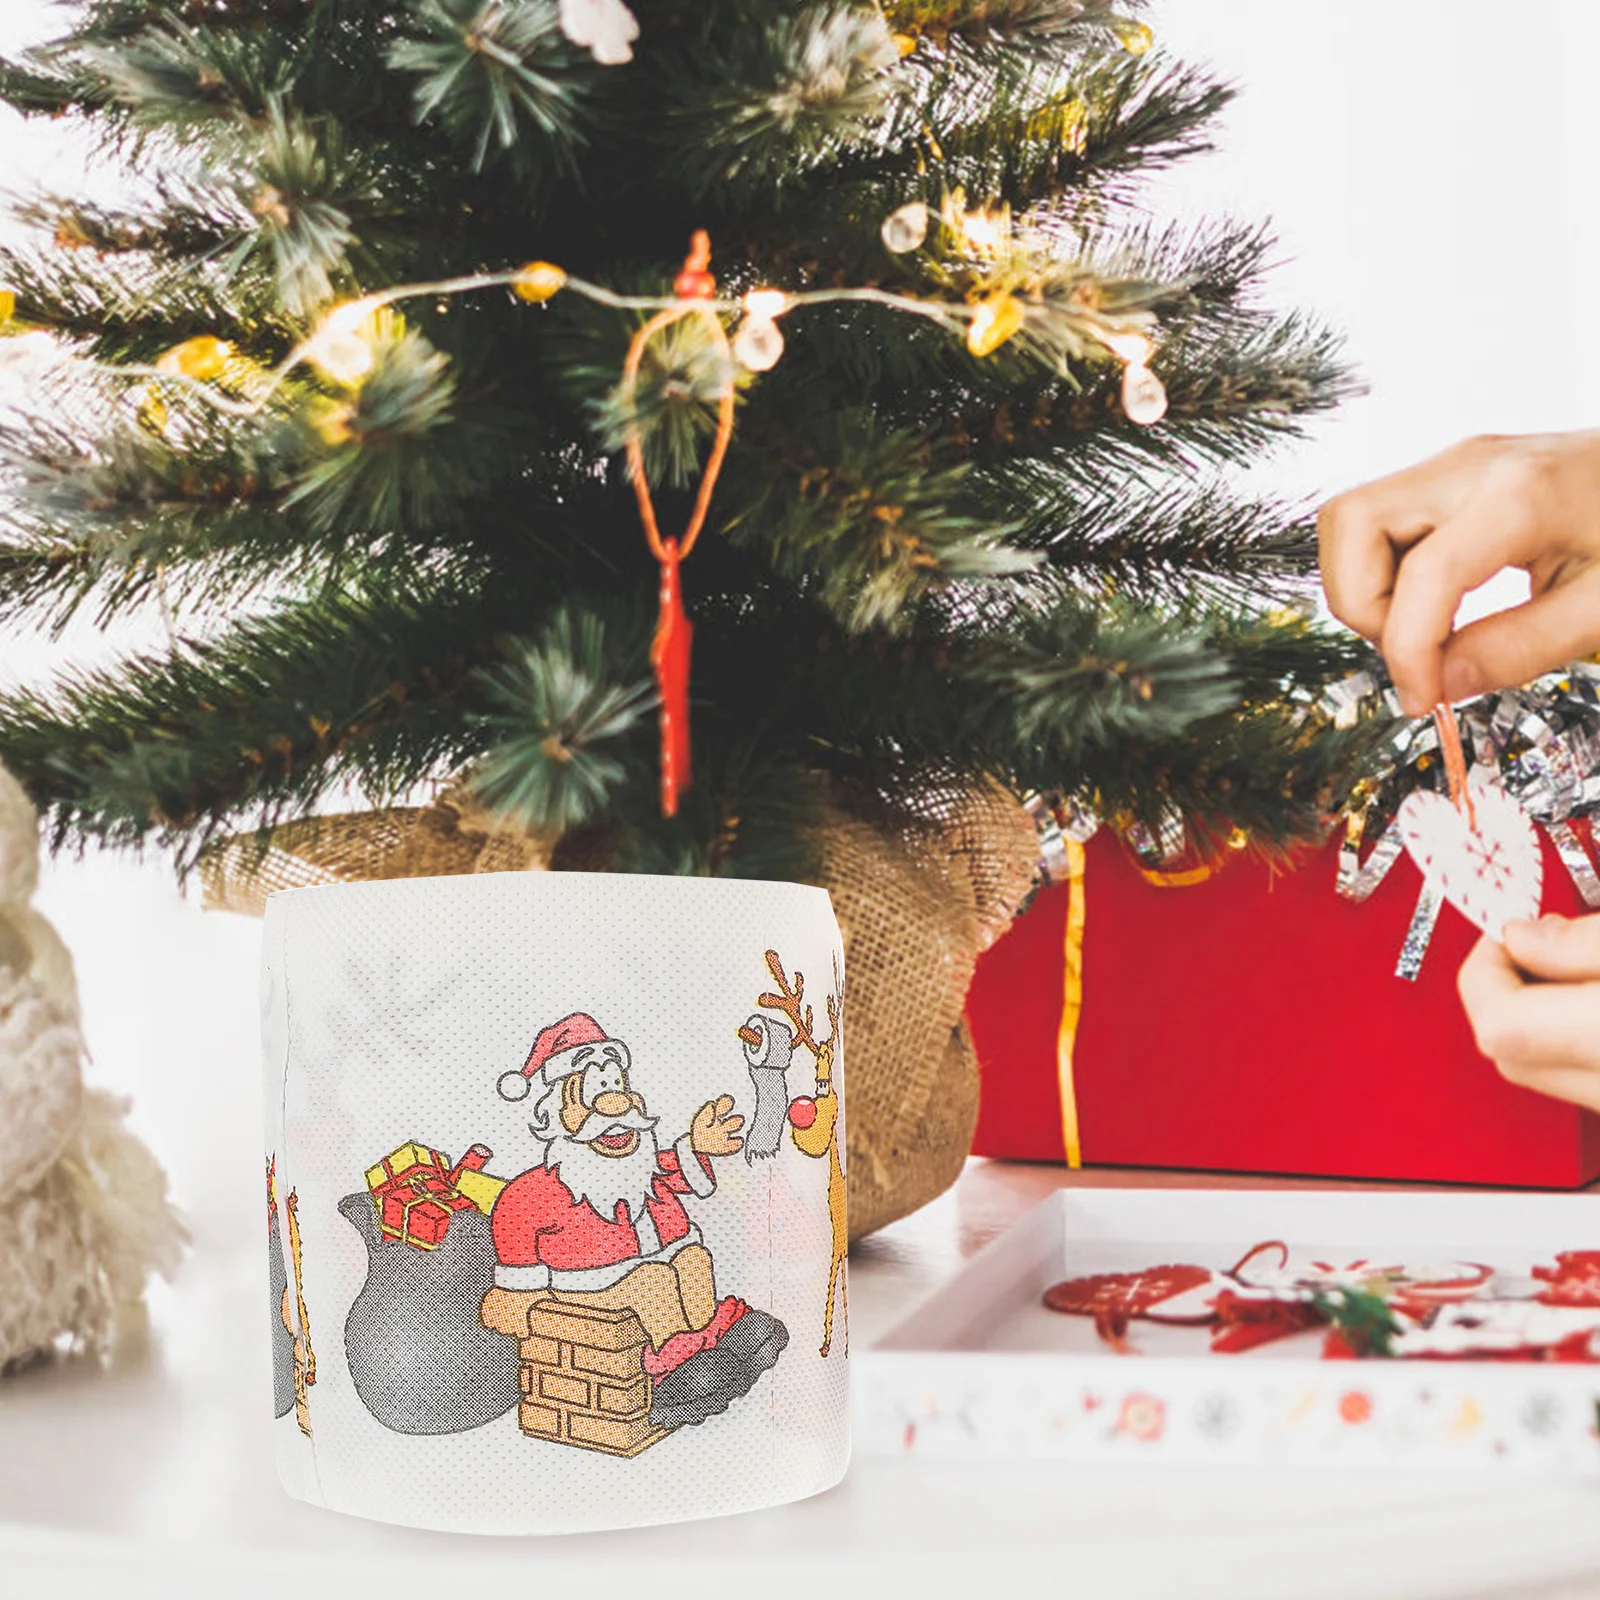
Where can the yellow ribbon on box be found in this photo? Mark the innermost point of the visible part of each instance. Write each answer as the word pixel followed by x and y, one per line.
pixel 1072 978
pixel 1071 1000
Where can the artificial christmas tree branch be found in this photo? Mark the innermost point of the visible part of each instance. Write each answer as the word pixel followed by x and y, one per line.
pixel 304 375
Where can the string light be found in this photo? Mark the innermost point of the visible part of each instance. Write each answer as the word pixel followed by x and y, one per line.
pixel 993 322
pixel 342 345
pixel 757 344
pixel 538 281
pixel 1134 349
pixel 341 349
pixel 765 304
pixel 1134 37
pixel 905 229
pixel 203 358
pixel 1144 396
pixel 986 232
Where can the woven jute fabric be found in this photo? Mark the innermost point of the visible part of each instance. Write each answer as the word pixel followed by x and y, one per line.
pixel 442 840
pixel 919 893
pixel 917 905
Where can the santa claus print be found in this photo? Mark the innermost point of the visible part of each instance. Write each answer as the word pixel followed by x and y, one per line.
pixel 600 1222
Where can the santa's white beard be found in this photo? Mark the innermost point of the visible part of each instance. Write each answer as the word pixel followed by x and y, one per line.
pixel 604 1180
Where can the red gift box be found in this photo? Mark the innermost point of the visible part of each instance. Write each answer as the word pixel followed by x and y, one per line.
pixel 1253 1022
pixel 416 1195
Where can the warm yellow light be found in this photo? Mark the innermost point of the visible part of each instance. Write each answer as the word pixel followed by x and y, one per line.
pixel 8 306
pixel 994 321
pixel 765 304
pixel 538 281
pixel 341 348
pixel 351 317
pixel 202 358
pixel 1134 37
pixel 984 230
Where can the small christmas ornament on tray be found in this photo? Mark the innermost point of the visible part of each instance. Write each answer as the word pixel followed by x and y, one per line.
pixel 1374 1328
pixel 1362 1309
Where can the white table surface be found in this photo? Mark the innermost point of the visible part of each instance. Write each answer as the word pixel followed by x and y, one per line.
pixel 155 1478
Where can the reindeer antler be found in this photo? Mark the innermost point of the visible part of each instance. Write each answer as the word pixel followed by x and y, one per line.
pixel 835 1005
pixel 790 1002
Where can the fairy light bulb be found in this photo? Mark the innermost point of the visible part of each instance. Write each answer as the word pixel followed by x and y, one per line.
pixel 993 322
pixel 1134 349
pixel 202 358
pixel 1144 396
pixel 757 344
pixel 905 229
pixel 764 305
pixel 340 348
pixel 1134 37
pixel 537 281
pixel 8 306
pixel 984 231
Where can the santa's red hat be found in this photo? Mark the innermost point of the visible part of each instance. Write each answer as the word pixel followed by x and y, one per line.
pixel 560 1050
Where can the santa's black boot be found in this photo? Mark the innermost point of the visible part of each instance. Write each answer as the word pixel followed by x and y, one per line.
pixel 712 1380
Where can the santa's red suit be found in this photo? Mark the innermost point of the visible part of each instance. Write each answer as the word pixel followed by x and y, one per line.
pixel 544 1236
pixel 546 1239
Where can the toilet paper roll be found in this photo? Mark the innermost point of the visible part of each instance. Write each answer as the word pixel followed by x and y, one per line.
pixel 526 1274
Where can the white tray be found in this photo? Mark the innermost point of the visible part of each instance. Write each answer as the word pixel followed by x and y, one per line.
pixel 983 1369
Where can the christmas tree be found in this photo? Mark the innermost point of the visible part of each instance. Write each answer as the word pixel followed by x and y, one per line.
pixel 970 525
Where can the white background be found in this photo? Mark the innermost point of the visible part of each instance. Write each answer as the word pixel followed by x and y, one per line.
pixel 1431 167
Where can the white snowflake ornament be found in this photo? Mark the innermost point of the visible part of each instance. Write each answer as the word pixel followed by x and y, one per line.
pixel 605 28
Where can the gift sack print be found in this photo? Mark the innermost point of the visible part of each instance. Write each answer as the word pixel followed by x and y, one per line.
pixel 572 1203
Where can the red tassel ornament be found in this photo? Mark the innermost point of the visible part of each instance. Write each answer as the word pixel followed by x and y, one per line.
pixel 670 650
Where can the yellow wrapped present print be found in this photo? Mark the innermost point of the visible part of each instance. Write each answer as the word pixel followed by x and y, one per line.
pixel 481 1188
pixel 416 1191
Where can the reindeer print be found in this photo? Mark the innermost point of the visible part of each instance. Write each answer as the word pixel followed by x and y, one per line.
pixel 814 1118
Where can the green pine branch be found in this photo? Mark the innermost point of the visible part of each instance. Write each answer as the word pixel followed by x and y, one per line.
pixel 1156 540
pixel 366 688
pixel 499 75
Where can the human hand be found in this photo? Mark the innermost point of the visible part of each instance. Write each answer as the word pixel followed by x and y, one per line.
pixel 715 1130
pixel 1534 1005
pixel 1399 555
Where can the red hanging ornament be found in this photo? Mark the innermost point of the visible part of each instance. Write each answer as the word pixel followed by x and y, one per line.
pixel 670 650
pixel 669 655
pixel 695 281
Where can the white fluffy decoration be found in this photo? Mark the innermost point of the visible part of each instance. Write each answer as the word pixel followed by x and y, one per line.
pixel 84 1213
